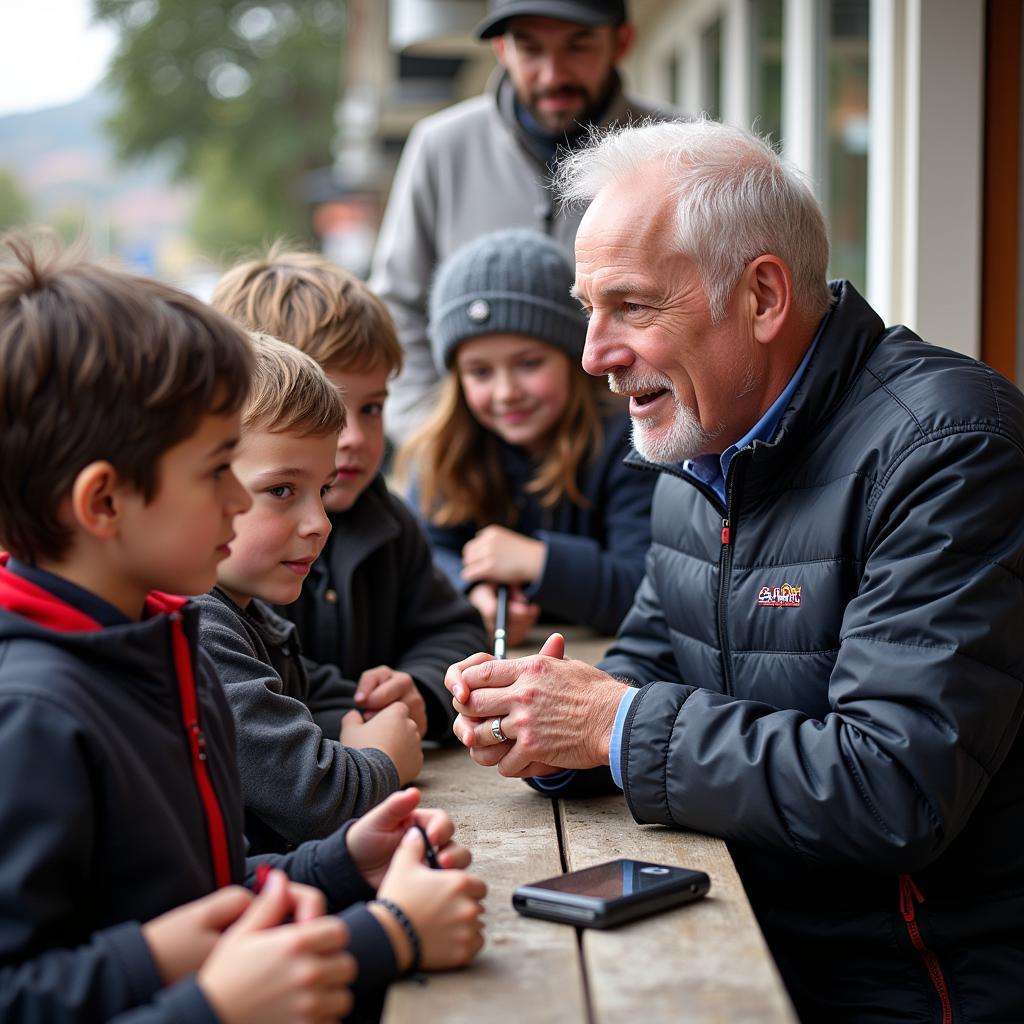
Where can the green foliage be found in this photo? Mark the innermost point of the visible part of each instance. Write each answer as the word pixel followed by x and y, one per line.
pixel 241 94
pixel 15 205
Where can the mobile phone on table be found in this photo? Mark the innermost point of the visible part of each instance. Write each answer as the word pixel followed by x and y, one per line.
pixel 610 894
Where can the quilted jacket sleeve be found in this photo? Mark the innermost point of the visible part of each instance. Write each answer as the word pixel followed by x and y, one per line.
pixel 926 694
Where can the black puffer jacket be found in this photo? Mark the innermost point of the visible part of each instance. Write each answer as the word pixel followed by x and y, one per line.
pixel 843 678
pixel 119 801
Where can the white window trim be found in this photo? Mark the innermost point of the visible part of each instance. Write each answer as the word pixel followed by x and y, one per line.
pixel 800 87
pixel 680 32
pixel 925 189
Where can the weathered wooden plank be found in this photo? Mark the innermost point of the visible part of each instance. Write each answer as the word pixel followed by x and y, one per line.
pixel 706 962
pixel 529 970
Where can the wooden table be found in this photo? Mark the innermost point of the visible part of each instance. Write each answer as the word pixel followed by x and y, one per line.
pixel 704 962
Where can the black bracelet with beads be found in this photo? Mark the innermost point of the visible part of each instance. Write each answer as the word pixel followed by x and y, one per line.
pixel 407 926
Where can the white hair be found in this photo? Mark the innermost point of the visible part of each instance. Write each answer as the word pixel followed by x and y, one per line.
pixel 736 199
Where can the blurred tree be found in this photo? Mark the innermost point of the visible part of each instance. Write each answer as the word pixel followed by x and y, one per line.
pixel 240 94
pixel 15 204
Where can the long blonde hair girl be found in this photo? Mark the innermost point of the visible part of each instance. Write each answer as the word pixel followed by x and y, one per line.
pixel 457 462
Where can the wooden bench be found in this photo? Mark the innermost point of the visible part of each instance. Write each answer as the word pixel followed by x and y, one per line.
pixel 703 962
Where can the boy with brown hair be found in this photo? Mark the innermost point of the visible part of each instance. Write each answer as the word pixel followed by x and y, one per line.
pixel 373 604
pixel 118 415
pixel 118 419
pixel 298 782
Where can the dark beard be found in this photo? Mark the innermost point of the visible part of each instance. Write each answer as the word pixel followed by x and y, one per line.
pixel 571 124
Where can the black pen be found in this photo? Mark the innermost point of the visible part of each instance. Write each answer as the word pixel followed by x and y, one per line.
pixel 501 621
pixel 428 846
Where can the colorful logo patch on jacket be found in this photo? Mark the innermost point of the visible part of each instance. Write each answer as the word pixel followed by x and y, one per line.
pixel 786 596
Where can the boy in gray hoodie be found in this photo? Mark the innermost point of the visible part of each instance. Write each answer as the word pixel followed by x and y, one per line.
pixel 298 781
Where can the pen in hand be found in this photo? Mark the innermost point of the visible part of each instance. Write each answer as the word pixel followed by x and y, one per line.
pixel 501 621
pixel 428 847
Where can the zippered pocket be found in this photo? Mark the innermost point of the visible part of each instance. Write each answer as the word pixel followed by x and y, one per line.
pixel 910 896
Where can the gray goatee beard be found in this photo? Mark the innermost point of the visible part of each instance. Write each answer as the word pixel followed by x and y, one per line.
pixel 685 438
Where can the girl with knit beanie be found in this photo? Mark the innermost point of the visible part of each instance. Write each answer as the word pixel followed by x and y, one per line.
pixel 518 472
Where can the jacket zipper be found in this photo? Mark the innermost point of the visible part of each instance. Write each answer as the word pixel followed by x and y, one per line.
pixel 724 570
pixel 909 894
pixel 197 744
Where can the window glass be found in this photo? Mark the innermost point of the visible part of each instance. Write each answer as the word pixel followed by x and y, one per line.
pixel 844 134
pixel 711 86
pixel 766 79
pixel 673 78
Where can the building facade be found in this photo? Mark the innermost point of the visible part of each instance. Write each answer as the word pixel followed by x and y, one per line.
pixel 906 115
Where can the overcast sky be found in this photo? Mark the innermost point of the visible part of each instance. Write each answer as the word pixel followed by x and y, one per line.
pixel 50 53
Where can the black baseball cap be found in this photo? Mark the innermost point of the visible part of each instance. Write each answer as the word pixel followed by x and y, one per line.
pixel 583 12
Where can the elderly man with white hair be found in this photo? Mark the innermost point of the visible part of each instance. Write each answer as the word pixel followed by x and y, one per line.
pixel 824 663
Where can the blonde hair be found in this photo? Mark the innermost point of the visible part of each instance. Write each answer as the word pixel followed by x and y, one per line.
pixel 290 392
pixel 311 303
pixel 458 467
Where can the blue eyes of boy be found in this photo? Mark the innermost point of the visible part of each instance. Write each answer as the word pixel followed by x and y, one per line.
pixel 280 491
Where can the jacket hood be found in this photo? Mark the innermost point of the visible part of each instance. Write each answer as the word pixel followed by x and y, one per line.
pixel 37 607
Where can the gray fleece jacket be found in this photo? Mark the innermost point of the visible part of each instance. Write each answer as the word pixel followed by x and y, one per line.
pixel 297 782
pixel 464 172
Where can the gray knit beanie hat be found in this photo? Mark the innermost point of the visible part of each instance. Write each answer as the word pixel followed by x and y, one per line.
pixel 508 282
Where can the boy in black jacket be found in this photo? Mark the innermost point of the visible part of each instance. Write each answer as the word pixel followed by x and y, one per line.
pixel 374 605
pixel 118 417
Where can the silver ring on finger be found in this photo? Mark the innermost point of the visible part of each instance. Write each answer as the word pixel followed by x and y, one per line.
pixel 496 730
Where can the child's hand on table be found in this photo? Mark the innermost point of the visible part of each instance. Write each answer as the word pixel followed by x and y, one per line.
pixel 380 686
pixel 390 730
pixel 261 970
pixel 373 839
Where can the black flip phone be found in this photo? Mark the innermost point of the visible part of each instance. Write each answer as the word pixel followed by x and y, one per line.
pixel 610 894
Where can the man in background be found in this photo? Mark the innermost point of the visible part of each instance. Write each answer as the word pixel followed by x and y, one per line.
pixel 487 163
